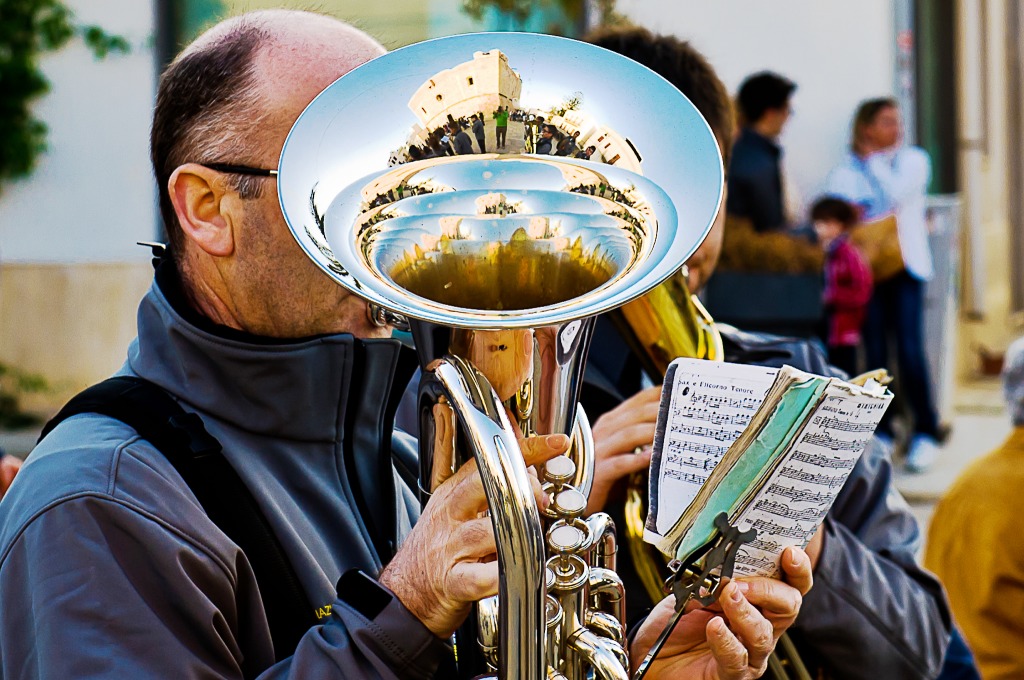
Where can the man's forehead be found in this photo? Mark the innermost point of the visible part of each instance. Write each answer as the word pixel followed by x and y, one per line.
pixel 291 71
pixel 298 64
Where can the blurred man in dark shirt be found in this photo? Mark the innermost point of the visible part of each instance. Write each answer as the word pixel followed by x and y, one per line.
pixel 755 180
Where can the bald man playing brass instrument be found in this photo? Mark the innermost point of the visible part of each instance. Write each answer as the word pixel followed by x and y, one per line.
pixel 109 568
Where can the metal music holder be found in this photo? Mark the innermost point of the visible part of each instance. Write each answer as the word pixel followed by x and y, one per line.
pixel 700 577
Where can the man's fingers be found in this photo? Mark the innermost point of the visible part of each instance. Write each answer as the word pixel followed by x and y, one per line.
pixel 444 440
pixel 472 581
pixel 537 450
pixel 779 602
pixel 729 652
pixel 461 496
pixel 642 407
pixel 627 438
pixel 643 400
pixel 620 466
pixel 474 539
pixel 796 565
pixel 749 625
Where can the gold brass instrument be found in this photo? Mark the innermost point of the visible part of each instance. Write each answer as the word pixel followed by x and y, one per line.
pixel 498 263
pixel 666 323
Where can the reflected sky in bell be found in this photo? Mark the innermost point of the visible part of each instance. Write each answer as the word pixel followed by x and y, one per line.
pixel 350 130
pixel 335 162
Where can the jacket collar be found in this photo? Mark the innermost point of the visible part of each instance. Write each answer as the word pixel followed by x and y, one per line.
pixel 296 389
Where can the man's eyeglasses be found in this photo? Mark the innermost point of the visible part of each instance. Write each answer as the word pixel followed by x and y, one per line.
pixel 239 169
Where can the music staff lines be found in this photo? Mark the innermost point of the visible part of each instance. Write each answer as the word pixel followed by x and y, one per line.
pixel 713 450
pixel 759 563
pixel 783 510
pixel 831 482
pixel 818 460
pixel 705 464
pixel 706 432
pixel 798 495
pixel 824 440
pixel 685 476
pixel 711 401
pixel 767 527
pixel 713 417
pixel 840 425
pixel 773 547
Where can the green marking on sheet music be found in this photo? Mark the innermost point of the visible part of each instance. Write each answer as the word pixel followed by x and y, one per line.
pixel 774 439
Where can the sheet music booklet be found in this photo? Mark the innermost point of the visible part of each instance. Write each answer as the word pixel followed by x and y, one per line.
pixel 769 447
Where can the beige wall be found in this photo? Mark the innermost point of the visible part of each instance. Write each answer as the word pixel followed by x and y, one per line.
pixel 838 53
pixel 984 160
pixel 70 323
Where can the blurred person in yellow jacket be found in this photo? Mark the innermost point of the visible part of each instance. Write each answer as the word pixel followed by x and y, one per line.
pixel 976 548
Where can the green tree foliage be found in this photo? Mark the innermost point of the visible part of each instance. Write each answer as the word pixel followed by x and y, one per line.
pixel 15 384
pixel 574 11
pixel 28 30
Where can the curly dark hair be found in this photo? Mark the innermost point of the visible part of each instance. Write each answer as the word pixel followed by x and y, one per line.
pixel 678 62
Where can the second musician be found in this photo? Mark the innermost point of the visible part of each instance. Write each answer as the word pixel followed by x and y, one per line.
pixel 873 612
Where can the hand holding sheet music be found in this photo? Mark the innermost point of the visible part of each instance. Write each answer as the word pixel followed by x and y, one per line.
pixel 784 445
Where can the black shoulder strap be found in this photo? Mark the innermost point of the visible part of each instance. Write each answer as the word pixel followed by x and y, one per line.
pixel 196 455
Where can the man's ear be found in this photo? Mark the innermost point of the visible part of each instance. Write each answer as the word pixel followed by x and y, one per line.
pixel 202 201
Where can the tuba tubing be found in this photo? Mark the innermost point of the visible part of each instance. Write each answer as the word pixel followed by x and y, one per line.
pixel 514 516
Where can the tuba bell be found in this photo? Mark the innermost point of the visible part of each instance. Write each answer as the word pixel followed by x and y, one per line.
pixel 498 261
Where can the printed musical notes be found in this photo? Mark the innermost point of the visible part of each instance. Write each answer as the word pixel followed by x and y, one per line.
pixel 771 448
pixel 753 561
pixel 786 511
pixel 825 440
pixel 707 407
pixel 818 460
pixel 674 459
pixel 842 425
pixel 767 546
pixel 794 498
pixel 800 495
pixel 818 479
pixel 710 400
pixel 702 449
pixel 769 528
pixel 712 414
pixel 701 432
pixel 689 477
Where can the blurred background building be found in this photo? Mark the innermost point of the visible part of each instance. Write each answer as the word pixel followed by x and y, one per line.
pixel 71 276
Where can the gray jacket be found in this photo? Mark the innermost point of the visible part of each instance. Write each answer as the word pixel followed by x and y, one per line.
pixel 109 567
